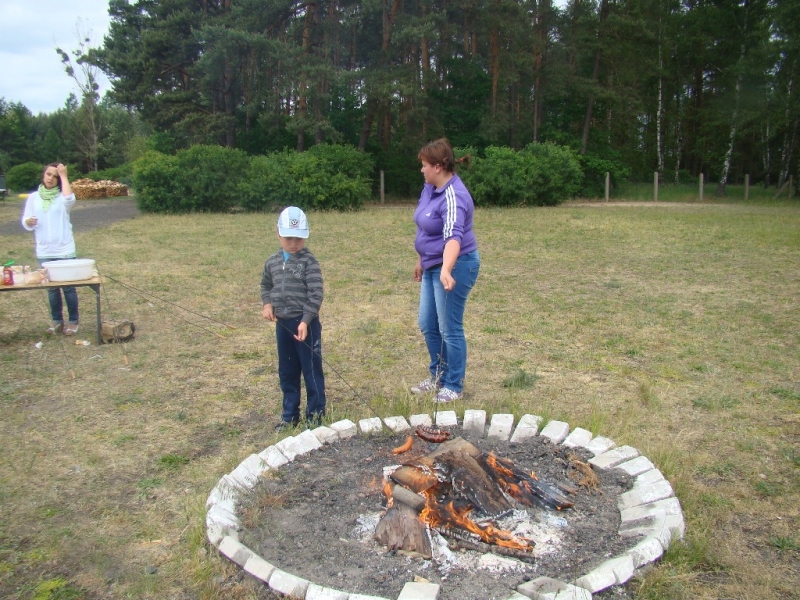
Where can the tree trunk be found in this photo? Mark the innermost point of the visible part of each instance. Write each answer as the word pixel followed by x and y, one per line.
pixel 595 74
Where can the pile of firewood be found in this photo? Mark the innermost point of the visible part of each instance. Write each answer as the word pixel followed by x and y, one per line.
pixel 86 188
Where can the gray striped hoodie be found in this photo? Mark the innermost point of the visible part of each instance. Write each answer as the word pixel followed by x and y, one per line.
pixel 293 288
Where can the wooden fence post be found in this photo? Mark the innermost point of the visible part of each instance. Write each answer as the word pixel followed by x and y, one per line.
pixel 655 186
pixel 608 184
pixel 747 187
pixel 701 187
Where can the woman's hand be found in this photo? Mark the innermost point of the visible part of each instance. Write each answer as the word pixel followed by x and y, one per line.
pixel 418 271
pixel 31 221
pixel 448 283
pixel 62 171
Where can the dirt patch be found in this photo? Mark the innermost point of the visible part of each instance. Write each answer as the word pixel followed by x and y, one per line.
pixel 308 518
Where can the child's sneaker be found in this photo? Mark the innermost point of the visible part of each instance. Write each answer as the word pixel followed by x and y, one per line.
pixel 448 395
pixel 423 387
pixel 71 329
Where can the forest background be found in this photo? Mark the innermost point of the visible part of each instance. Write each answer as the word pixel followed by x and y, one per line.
pixel 632 86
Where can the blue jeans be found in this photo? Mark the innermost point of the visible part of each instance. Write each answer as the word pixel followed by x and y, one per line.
pixel 54 295
pixel 296 359
pixel 441 320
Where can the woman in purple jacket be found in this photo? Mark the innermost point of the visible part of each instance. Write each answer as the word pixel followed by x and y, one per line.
pixel 447 268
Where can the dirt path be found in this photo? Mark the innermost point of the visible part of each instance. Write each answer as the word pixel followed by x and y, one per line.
pixel 86 216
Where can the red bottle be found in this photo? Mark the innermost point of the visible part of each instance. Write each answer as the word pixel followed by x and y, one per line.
pixel 8 276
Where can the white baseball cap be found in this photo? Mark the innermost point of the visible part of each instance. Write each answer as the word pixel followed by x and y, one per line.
pixel 293 223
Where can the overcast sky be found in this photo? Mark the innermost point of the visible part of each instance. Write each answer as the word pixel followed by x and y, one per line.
pixel 30 70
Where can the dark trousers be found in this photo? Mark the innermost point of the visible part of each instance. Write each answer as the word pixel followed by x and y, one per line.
pixel 300 358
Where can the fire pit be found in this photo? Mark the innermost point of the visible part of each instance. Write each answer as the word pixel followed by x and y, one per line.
pixel 473 518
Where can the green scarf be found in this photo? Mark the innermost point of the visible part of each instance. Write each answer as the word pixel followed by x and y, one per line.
pixel 48 196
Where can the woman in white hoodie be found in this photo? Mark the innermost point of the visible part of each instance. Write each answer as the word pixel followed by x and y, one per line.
pixel 47 215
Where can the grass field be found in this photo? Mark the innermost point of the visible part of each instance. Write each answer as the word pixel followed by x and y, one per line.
pixel 673 328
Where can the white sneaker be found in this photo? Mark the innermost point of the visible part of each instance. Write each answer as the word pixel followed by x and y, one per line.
pixel 423 387
pixel 448 395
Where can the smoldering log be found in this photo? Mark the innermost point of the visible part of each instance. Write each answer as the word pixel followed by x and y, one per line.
pixel 409 498
pixel 522 487
pixel 401 529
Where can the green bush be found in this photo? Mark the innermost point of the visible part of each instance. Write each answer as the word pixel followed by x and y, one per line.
pixel 537 175
pixel 25 177
pixel 122 173
pixel 594 175
pixel 326 177
pixel 200 179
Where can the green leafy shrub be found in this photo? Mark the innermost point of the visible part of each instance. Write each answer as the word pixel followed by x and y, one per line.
pixel 325 177
pixel 537 175
pixel 594 175
pixel 122 173
pixel 200 179
pixel 25 177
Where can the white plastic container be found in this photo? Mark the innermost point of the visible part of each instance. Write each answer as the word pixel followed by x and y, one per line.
pixel 72 269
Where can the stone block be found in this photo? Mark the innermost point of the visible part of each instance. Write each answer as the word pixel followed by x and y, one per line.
pixel 273 457
pixel 217 514
pixel 527 427
pixel 636 466
pixel 249 470
pixel 474 422
pixel 600 444
pixel 648 478
pixel 668 506
pixel 446 418
pixel 317 592
pixel 613 457
pixel 417 420
pixel 612 572
pixel 370 426
pixel 645 495
pixel 647 551
pixel 414 590
pixel 555 431
pixel 235 550
pixel 578 438
pixel 500 426
pixel 259 568
pixel 344 428
pixel 325 435
pixel 308 441
pixel 288 584
pixel 546 588
pixel 397 424
pixel 365 597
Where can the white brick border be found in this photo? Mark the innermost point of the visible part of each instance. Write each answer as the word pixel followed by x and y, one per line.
pixel 650 513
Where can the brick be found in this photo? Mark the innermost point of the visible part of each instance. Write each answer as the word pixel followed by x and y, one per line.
pixel 579 438
pixel 397 424
pixel 288 584
pixel 370 426
pixel 636 466
pixel 317 592
pixel 417 420
pixel 273 457
pixel 345 428
pixel 474 421
pixel 613 457
pixel 365 597
pixel 647 551
pixel 249 470
pixel 668 506
pixel 325 435
pixel 645 495
pixel 259 568
pixel 217 514
pixel 612 572
pixel 600 444
pixel 500 426
pixel 446 418
pixel 414 590
pixel 527 427
pixel 235 550
pixel 546 588
pixel 648 478
pixel 555 431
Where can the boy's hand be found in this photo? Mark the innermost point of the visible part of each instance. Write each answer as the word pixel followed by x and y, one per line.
pixel 267 312
pixel 302 331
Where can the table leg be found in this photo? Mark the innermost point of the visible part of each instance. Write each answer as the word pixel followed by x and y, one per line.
pixel 96 289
